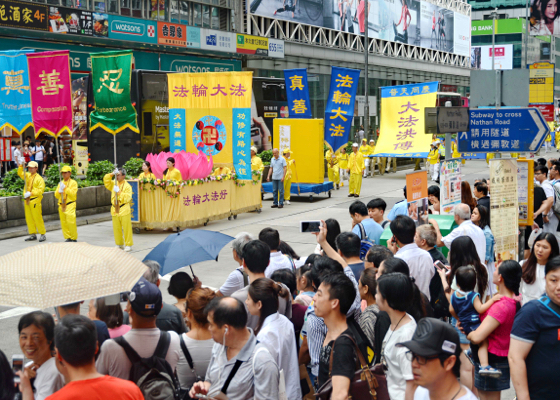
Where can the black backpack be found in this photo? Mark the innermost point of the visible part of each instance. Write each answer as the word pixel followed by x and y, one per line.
pixel 153 375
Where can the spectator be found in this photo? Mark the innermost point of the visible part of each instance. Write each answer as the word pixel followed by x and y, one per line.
pixel 38 152
pixel 275 331
pixel 333 229
pixel 332 302
pixel 101 327
pixel 292 256
pixel 144 304
pixel 76 345
pixel 349 245
pixel 426 238
pixel 533 282
pixel 7 388
pixel 376 255
pixel 170 318
pixel 394 294
pixel 197 343
pixel 304 285
pixel 550 220
pixel 277 171
pixel 402 245
pixel 434 352
pixel 481 194
pixel 179 284
pixel 400 208
pixel 481 218
pixel 362 223
pixel 534 355
pixel 376 211
pixel 465 228
pixel 256 256
pixel 240 367
pixel 18 155
pixel 288 278
pixel 36 340
pixel 433 198
pixel 539 197
pixel 277 260
pixel 238 278
pixel 111 315
pixel 541 161
pixel 496 326
pixel 368 288
pixel 466 195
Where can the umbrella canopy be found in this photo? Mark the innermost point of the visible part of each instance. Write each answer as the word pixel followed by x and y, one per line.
pixel 60 273
pixel 188 247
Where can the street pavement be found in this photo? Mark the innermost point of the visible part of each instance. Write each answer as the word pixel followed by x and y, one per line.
pixel 213 274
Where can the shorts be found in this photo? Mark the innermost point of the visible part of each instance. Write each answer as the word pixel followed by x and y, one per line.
pixel 491 384
pixel 462 337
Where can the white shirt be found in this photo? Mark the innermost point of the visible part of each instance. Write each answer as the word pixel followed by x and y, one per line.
pixel 277 334
pixel 552 223
pixel 277 261
pixel 423 394
pixel 467 228
pixel 39 155
pixel 399 368
pixel 535 290
pixel 18 157
pixel 233 283
pixel 420 264
pixel 113 360
pixel 48 380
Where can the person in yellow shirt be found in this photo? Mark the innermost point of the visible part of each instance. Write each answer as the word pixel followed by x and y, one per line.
pixel 333 168
pixel 288 177
pixel 221 171
pixel 171 173
pixel 33 195
pixel 256 162
pixel 146 172
pixel 455 150
pixel 343 165
pixel 356 168
pixel 67 193
pixel 433 161
pixel 364 150
pixel 121 196
pixel 547 142
pixel 372 160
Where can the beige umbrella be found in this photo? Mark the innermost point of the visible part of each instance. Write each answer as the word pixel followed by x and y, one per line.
pixel 53 274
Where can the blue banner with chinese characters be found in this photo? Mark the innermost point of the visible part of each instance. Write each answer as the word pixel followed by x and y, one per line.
pixel 241 127
pixel 339 111
pixel 297 90
pixel 177 129
pixel 135 201
pixel 14 91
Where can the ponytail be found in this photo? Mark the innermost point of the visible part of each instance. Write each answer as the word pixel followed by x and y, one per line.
pixel 267 292
pixel 511 273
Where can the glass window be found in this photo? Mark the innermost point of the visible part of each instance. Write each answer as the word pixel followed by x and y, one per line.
pixel 197 15
pixel 125 7
pixel 53 2
pixel 113 6
pixel 180 12
pixel 155 8
pixel 205 16
pixel 84 4
pixel 67 3
pixel 99 6
pixel 215 20
pixel 185 12
pixel 137 8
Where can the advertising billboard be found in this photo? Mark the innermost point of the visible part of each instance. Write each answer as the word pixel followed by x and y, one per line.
pixel 481 57
pixel 133 29
pixel 408 21
pixel 544 18
pixel 78 22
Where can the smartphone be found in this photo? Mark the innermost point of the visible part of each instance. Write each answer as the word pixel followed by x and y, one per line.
pixel 17 365
pixel 440 265
pixel 309 226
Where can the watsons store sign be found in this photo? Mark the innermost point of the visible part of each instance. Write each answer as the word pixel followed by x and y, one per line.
pixel 174 63
pixel 132 29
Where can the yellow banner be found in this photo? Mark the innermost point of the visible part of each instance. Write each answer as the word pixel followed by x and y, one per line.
pixel 402 132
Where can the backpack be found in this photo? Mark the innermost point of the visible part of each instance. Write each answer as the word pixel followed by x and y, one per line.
pixel 556 205
pixel 366 243
pixel 153 375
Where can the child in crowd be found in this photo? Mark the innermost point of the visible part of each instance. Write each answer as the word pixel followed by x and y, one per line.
pixel 466 306
pixel 304 285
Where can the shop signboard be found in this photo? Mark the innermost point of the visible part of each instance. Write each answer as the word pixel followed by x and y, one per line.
pixel 193 37
pixel 132 29
pixel 170 62
pixel 172 34
pixel 217 40
pixel 503 26
pixel 248 44
pixel 17 14
pixel 481 57
pixel 78 22
pixel 541 83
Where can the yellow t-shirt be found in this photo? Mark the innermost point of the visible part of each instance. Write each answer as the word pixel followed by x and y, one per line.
pixel 343 160
pixel 371 150
pixel 146 175
pixel 70 191
pixel 221 171
pixel 455 150
pixel 433 156
pixel 364 150
pixel 257 164
pixel 332 159
pixel 173 175
pixel 356 163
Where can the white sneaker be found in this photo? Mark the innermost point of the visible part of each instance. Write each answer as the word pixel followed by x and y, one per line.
pixel 287 202
pixel 127 248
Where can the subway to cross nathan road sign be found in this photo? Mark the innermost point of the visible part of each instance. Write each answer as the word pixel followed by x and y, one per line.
pixel 507 130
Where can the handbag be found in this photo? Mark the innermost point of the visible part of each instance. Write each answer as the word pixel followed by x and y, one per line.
pixel 367 383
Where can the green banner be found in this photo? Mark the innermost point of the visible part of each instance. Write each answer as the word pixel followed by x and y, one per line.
pixel 111 73
pixel 503 26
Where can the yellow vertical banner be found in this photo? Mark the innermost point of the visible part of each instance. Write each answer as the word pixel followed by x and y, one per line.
pixel 402 132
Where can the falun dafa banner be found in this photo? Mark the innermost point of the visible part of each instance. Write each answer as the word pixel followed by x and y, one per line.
pixel 297 90
pixel 14 91
pixel 211 112
pixel 111 73
pixel 402 132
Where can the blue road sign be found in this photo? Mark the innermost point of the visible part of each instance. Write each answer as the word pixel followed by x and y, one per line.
pixel 507 130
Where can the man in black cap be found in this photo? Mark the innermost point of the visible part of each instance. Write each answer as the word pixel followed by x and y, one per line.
pixel 434 352
pixel 144 304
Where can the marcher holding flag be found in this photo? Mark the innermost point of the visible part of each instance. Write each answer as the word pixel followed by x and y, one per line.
pixel 343 165
pixel 333 167
pixel 356 167
pixel 121 196
pixel 433 160
pixel 33 196
pixel 67 193
pixel 288 176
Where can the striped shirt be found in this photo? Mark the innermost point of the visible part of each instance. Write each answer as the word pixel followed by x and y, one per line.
pixel 368 318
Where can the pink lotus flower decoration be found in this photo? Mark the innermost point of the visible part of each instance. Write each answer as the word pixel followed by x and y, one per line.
pixel 192 166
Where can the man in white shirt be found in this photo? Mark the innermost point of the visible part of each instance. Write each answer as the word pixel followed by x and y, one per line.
pixel 277 260
pixel 38 152
pixel 434 351
pixel 541 173
pixel 551 220
pixel 402 246
pixel 144 304
pixel 238 278
pixel 465 228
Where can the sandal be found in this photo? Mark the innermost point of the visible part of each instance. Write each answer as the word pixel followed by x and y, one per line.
pixel 490 372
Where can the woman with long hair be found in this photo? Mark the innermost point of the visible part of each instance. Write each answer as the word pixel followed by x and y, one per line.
pixel 466 195
pixel 7 388
pixel 171 173
pixel 481 218
pixel 433 198
pixel 546 13
pixel 333 230
pixel 275 330
pixel 146 171
pixel 533 282
pixel 111 315
pixel 367 286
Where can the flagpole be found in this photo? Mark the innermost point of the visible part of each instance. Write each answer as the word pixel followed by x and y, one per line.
pixel 23 165
pixel 63 200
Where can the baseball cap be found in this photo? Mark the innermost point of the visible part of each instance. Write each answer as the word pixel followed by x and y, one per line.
pixel 286 151
pixel 432 338
pixel 66 168
pixel 33 164
pixel 253 148
pixel 145 298
pixel 355 145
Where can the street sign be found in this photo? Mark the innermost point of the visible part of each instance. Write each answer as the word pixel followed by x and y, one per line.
pixel 507 130
pixel 446 119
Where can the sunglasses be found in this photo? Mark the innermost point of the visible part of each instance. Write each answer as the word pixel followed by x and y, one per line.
pixel 410 356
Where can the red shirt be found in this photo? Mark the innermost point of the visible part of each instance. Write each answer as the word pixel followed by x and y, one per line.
pixel 102 388
pixel 502 311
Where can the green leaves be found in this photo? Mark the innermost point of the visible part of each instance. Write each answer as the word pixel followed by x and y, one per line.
pixel 133 167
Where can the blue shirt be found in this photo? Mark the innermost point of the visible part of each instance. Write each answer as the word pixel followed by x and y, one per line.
pixel 464 308
pixel 277 166
pixel 372 228
pixel 401 208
